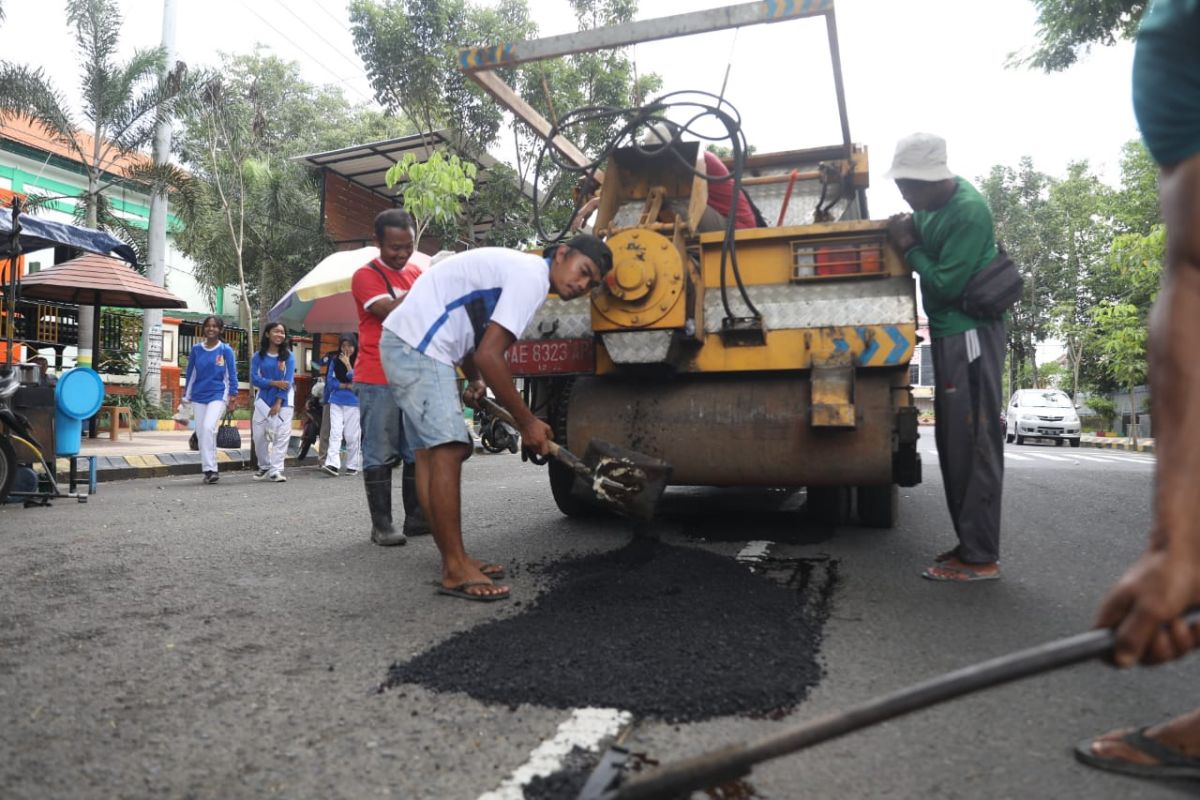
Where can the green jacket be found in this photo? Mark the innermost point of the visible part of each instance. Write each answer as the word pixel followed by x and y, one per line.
pixel 957 240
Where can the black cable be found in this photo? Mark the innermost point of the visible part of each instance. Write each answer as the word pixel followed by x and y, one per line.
pixel 644 116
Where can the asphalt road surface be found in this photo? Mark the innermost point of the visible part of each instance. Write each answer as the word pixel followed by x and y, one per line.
pixel 179 640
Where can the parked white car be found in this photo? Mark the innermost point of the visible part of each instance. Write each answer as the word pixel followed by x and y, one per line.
pixel 1041 414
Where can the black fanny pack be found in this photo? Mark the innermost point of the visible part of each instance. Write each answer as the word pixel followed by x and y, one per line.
pixel 994 289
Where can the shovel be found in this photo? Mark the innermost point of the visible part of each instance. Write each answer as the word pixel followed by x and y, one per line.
pixel 734 761
pixel 624 480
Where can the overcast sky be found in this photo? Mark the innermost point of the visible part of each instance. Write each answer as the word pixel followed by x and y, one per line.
pixel 937 65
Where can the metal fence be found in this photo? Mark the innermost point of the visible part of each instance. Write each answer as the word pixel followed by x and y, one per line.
pixel 44 324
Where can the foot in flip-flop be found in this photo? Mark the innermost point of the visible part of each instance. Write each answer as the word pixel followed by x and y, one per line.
pixel 941 558
pixel 1155 759
pixel 463 591
pixel 952 570
pixel 494 571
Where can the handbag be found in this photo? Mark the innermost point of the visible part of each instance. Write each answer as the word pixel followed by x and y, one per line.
pixel 228 436
pixel 193 442
pixel 994 289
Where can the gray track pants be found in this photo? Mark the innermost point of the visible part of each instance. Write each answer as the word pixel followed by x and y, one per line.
pixel 970 439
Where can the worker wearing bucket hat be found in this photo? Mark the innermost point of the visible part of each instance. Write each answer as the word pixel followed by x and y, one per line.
pixel 946 240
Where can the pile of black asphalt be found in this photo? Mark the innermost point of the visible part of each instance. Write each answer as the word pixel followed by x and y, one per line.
pixel 676 633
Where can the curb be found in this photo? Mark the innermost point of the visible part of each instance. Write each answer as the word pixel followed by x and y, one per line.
pixel 1117 443
pixel 162 465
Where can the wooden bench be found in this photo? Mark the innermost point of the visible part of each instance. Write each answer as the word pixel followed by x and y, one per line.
pixel 118 418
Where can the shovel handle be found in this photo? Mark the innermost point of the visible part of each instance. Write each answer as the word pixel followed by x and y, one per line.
pixel 734 761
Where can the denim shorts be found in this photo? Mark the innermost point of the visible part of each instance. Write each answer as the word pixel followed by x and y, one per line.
pixel 381 426
pixel 427 391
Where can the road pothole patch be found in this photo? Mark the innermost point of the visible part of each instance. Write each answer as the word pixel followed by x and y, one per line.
pixel 676 633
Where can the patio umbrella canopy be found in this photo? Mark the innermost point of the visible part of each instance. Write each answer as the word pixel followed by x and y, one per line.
pixel 321 301
pixel 97 280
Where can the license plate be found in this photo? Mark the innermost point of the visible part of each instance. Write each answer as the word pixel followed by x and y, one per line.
pixel 552 356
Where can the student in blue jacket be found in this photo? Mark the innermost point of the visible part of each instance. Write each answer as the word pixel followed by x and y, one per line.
pixel 343 411
pixel 272 370
pixel 211 388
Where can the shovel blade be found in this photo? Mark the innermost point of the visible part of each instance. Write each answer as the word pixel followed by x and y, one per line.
pixel 626 480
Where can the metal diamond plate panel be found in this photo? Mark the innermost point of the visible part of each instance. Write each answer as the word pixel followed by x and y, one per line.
pixel 815 304
pixel 638 347
pixel 561 319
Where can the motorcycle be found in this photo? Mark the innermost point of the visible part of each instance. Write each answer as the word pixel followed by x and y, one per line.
pixel 495 435
pixel 17 430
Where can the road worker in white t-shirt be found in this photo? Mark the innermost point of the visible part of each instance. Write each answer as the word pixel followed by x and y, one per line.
pixel 466 313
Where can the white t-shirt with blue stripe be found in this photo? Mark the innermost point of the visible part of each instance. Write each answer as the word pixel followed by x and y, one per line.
pixel 450 306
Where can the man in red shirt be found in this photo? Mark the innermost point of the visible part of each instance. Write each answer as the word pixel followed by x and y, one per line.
pixel 378 287
pixel 720 194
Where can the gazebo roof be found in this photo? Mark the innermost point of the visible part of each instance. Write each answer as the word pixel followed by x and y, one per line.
pixel 97 280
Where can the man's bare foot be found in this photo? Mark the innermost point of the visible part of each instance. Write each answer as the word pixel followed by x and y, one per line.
pixel 1171 749
pixel 955 570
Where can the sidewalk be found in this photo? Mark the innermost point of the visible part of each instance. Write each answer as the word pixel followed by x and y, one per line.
pixel 160 453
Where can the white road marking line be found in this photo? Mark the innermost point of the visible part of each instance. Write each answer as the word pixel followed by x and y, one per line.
pixel 1097 459
pixel 1049 457
pixel 1122 459
pixel 753 552
pixel 1017 457
pixel 585 729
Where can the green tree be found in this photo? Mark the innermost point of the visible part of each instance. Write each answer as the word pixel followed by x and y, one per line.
pixel 433 190
pixel 120 103
pixel 258 224
pixel 501 204
pixel 1121 338
pixel 410 51
pixel 602 79
pixel 410 48
pixel 1130 271
pixel 1020 203
pixel 1105 408
pixel 1135 206
pixel 1080 234
pixel 1067 28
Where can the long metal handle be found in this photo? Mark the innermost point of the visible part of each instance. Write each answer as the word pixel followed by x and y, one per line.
pixel 734 761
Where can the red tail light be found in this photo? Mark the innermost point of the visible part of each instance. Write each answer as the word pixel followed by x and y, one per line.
pixel 843 258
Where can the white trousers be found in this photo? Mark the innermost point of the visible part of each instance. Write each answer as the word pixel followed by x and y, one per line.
pixel 208 419
pixel 271 453
pixel 344 422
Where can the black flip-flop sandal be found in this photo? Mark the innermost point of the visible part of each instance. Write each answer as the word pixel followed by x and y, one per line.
pixel 497 573
pixel 460 591
pixel 1172 763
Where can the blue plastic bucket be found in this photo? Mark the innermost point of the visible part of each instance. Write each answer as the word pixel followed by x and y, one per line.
pixel 78 396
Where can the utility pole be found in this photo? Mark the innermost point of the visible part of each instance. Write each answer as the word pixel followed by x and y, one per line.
pixel 156 270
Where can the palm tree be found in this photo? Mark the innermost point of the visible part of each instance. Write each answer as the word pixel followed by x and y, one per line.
pixel 120 104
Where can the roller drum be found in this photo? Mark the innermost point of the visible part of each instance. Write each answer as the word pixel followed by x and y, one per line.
pixel 738 430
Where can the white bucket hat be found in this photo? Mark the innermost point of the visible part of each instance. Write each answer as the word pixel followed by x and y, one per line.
pixel 920 157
